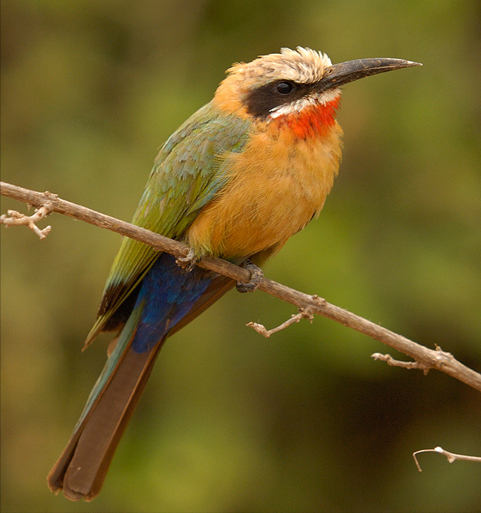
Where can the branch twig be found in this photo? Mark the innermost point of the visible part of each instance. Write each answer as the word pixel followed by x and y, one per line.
pixel 398 363
pixel 262 330
pixel 451 456
pixel 14 218
pixel 429 358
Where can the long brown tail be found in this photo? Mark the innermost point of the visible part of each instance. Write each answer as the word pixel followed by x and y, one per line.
pixel 81 469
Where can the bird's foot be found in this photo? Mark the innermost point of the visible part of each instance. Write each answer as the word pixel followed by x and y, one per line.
pixel 255 280
pixel 188 261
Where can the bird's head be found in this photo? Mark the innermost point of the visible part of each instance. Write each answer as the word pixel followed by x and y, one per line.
pixel 294 86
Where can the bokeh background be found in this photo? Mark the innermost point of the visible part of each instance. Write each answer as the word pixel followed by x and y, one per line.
pixel 304 421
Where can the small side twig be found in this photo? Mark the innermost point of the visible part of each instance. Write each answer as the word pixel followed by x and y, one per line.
pixel 398 363
pixel 14 218
pixel 451 456
pixel 440 358
pixel 262 330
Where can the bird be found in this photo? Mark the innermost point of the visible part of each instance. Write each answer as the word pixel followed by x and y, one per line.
pixel 237 179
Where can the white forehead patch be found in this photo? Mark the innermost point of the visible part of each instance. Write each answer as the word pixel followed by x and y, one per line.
pixel 306 66
pixel 303 65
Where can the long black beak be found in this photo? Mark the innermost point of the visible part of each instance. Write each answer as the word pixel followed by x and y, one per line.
pixel 339 74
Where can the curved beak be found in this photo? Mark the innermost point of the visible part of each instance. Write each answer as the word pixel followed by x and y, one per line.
pixel 339 74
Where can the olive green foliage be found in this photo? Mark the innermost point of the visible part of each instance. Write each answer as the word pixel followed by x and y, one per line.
pixel 304 421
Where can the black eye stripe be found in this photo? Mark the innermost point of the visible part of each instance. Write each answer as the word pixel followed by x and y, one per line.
pixel 261 101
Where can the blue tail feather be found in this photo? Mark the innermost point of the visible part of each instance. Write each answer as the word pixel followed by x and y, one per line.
pixel 168 293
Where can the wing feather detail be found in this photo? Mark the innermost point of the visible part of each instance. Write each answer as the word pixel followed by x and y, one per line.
pixel 188 172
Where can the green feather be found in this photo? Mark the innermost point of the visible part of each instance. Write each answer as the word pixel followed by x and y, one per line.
pixel 186 176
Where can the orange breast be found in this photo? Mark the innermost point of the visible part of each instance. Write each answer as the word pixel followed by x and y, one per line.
pixel 275 188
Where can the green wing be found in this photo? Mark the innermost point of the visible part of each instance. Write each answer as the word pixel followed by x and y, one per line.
pixel 186 175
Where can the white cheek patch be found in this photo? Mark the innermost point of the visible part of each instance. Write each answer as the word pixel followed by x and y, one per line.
pixel 299 105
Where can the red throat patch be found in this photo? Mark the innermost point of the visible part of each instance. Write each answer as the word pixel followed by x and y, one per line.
pixel 312 121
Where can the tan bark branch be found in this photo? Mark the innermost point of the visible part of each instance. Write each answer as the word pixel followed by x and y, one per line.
pixel 428 358
pixel 451 456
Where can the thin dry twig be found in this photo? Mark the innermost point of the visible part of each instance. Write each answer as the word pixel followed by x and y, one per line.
pixel 398 363
pixel 430 358
pixel 262 330
pixel 451 456
pixel 14 218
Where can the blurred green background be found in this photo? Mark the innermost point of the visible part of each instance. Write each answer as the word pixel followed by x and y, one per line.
pixel 306 420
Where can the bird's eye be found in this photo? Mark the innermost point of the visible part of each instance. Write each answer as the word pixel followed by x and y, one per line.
pixel 284 87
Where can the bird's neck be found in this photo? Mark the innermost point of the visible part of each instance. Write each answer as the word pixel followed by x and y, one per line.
pixel 311 122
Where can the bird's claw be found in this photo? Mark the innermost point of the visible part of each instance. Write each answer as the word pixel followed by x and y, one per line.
pixel 188 261
pixel 255 280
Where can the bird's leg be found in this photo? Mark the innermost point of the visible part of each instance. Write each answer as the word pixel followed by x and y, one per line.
pixel 255 280
pixel 188 261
